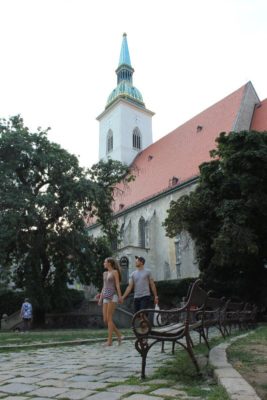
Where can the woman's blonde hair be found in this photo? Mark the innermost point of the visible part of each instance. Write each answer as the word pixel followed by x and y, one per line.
pixel 115 265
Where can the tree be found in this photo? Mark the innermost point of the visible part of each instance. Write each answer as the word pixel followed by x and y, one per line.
pixel 226 216
pixel 44 197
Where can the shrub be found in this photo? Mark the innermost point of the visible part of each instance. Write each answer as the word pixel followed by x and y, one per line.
pixel 10 301
pixel 171 292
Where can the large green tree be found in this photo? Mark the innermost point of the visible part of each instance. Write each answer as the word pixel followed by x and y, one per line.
pixel 44 197
pixel 227 216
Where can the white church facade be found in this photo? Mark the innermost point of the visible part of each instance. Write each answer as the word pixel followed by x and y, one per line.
pixel 164 170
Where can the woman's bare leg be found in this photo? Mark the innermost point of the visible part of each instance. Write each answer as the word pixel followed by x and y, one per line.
pixel 111 326
pixel 106 322
pixel 105 313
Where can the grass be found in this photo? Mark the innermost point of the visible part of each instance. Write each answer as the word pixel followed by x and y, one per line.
pixel 52 336
pixel 181 371
pixel 238 354
pixel 249 356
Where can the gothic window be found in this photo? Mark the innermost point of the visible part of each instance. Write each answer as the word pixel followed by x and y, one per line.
pixel 136 139
pixel 167 271
pixel 177 244
pixel 142 232
pixel 110 141
pixel 121 234
pixel 114 244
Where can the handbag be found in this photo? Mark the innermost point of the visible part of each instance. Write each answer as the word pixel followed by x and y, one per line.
pixel 157 316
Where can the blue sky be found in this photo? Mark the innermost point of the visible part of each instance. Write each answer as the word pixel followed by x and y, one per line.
pixel 58 60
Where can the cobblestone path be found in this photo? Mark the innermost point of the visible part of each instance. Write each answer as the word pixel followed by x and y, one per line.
pixel 91 372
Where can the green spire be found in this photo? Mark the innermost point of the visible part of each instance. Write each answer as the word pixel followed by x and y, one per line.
pixel 124 56
pixel 125 88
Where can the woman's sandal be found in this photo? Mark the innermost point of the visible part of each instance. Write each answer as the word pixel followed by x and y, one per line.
pixel 107 344
pixel 120 339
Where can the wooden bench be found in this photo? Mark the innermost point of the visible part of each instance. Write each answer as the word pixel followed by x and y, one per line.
pixel 233 316
pixel 214 315
pixel 241 315
pixel 248 316
pixel 199 313
pixel 175 325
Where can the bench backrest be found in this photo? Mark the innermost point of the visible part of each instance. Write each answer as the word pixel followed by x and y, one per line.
pixel 197 296
pixel 195 303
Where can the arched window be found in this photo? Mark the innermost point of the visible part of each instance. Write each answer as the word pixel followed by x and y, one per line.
pixel 178 254
pixel 121 235
pixel 109 141
pixel 142 232
pixel 137 139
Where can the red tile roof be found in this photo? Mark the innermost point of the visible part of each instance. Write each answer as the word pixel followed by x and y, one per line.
pixel 180 153
pixel 259 120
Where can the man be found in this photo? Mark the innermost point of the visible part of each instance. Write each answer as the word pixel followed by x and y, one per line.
pixel 26 314
pixel 141 281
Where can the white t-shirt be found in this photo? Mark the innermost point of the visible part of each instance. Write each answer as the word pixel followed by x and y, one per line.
pixel 140 279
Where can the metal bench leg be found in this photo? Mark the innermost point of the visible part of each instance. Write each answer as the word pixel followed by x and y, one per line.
pixel 162 346
pixel 191 354
pixel 143 372
pixel 142 347
pixel 203 335
pixel 173 347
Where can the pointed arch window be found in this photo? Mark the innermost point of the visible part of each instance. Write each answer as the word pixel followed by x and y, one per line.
pixel 137 139
pixel 121 234
pixel 109 141
pixel 178 255
pixel 142 232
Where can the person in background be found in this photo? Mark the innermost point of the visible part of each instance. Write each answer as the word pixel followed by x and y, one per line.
pixel 26 315
pixel 141 281
pixel 110 296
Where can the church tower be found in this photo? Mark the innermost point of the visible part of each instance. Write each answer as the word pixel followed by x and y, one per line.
pixel 125 126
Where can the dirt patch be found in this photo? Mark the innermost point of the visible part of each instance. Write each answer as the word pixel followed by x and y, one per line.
pixel 254 371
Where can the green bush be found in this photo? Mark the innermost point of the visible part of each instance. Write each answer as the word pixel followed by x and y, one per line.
pixel 10 301
pixel 65 300
pixel 171 292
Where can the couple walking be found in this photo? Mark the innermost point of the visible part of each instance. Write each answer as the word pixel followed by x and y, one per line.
pixel 140 280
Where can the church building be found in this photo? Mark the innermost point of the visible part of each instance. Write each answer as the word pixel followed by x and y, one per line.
pixel 164 170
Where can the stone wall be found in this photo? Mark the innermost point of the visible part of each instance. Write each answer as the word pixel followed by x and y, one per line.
pixel 92 318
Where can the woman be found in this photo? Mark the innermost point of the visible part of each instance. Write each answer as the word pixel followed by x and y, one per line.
pixel 110 296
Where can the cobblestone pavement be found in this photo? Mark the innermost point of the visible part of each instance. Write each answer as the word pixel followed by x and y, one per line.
pixel 91 372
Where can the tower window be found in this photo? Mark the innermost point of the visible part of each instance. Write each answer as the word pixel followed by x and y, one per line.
pixel 109 141
pixel 136 139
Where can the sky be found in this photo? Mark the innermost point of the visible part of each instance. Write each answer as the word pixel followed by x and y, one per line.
pixel 58 60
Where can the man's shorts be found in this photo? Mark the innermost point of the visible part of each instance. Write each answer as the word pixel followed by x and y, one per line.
pixel 142 303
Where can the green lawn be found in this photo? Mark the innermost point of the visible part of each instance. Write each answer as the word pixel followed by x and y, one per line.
pixel 51 336
pixel 249 356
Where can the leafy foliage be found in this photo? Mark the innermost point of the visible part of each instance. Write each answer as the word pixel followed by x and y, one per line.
pixel 172 291
pixel 227 216
pixel 44 198
pixel 10 301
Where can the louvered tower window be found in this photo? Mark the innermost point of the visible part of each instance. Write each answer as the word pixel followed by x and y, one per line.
pixel 136 139
pixel 110 141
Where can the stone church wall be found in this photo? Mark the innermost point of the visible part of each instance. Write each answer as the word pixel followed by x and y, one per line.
pixel 142 233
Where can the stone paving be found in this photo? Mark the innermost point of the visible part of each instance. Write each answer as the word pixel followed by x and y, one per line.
pixel 92 372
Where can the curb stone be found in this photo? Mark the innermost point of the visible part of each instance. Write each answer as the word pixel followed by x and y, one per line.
pixel 235 385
